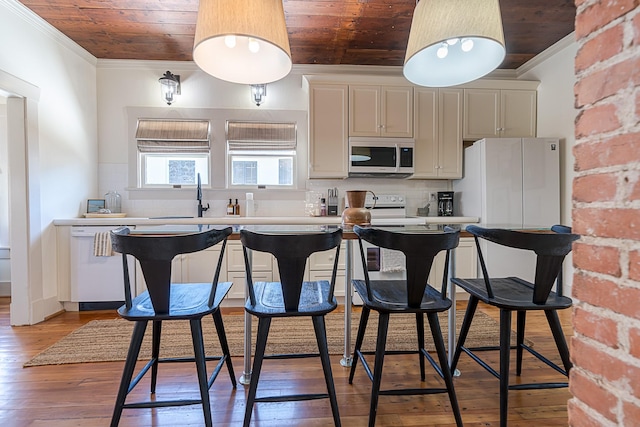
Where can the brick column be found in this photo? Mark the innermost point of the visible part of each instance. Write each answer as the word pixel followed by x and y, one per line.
pixel 605 348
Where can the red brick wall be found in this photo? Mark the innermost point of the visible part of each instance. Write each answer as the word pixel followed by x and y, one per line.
pixel 605 348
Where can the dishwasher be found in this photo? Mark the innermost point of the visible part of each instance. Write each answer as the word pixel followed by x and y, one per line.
pixel 96 281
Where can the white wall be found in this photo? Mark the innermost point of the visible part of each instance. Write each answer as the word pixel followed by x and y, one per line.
pixel 62 149
pixel 4 176
pixel 5 264
pixel 203 96
pixel 554 68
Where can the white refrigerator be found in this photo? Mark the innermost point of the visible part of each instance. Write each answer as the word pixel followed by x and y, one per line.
pixel 510 183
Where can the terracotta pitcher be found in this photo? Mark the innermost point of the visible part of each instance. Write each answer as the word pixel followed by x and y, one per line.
pixel 357 213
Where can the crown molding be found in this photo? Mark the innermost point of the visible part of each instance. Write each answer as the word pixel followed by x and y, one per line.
pixel 47 29
pixel 552 50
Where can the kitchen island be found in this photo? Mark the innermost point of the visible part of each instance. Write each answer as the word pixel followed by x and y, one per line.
pixel 185 225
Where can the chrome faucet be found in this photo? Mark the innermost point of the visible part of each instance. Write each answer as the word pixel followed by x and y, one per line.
pixel 201 208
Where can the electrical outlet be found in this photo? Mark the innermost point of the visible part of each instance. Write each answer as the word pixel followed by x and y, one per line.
pixel 432 197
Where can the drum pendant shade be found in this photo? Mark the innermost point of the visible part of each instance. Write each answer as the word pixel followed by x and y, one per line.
pixel 242 41
pixel 453 42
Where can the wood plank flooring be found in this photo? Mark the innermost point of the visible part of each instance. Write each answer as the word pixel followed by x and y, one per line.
pixel 83 394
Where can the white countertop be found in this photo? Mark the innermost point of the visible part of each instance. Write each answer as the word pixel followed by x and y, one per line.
pixel 256 220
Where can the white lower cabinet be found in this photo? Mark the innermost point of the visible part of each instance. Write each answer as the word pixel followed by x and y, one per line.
pixel 261 268
pixel 264 268
pixel 466 263
pixel 320 267
pixel 196 267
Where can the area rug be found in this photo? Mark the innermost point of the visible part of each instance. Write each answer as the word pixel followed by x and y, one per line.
pixel 108 340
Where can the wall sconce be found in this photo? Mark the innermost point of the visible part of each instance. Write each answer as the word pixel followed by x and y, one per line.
pixel 258 92
pixel 453 42
pixel 242 41
pixel 170 86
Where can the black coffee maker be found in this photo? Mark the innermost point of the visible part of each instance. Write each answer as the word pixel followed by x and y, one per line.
pixel 445 203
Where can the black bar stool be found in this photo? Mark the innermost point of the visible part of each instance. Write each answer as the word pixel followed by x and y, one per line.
pixel 515 294
pixel 164 301
pixel 410 295
pixel 292 296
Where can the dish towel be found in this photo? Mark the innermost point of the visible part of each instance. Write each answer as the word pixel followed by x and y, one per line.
pixel 391 261
pixel 102 244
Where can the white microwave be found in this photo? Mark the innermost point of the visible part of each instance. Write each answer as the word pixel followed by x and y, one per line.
pixel 381 157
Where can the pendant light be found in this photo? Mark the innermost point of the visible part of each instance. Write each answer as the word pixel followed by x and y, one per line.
pixel 242 41
pixel 453 42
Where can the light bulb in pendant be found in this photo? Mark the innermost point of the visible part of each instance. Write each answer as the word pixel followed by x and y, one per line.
pixel 442 51
pixel 467 45
pixel 254 45
pixel 230 41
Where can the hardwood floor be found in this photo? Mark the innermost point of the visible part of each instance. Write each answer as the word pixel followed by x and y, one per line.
pixel 83 394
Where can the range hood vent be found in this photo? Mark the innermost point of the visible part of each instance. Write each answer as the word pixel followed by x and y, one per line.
pixel 173 135
pixel 261 135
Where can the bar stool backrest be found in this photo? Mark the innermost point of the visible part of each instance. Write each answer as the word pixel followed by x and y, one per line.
pixel 155 254
pixel 419 250
pixel 291 252
pixel 550 250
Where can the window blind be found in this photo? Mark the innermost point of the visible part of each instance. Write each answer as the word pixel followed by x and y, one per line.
pixel 261 135
pixel 173 136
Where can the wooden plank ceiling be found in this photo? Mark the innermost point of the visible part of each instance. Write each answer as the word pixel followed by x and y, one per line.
pixel 363 32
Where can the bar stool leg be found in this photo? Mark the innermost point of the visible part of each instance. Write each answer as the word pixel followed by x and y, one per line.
pixel 129 367
pixel 224 345
pixel 464 330
pixel 420 329
pixel 261 343
pixel 201 366
pixel 505 348
pixel 321 337
pixel 383 327
pixel 436 333
pixel 362 328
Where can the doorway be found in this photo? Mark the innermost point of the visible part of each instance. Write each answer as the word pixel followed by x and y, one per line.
pixel 5 243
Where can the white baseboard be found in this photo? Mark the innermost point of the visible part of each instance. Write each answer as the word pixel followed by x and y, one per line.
pixel 5 289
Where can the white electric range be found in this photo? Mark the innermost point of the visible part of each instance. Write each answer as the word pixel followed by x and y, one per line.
pixel 389 209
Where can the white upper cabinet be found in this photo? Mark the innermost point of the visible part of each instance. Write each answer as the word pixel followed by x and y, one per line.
pixel 385 111
pixel 438 133
pixel 328 129
pixel 499 113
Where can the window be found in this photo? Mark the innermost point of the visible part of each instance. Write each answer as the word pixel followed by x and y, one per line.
pixel 173 152
pixel 162 170
pixel 261 154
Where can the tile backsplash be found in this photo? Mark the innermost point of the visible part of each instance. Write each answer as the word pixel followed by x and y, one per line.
pixel 268 202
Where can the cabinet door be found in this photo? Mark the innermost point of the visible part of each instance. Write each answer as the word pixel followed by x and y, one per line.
pixel 437 270
pixel 481 113
pixel 450 133
pixel 328 137
pixel 200 267
pixel 260 261
pixel 364 111
pixel 466 262
pixel 239 281
pixel 326 275
pixel 466 259
pixel 324 260
pixel 426 133
pixel 518 112
pixel 396 111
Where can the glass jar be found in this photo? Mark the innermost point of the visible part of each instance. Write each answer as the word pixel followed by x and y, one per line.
pixel 112 201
